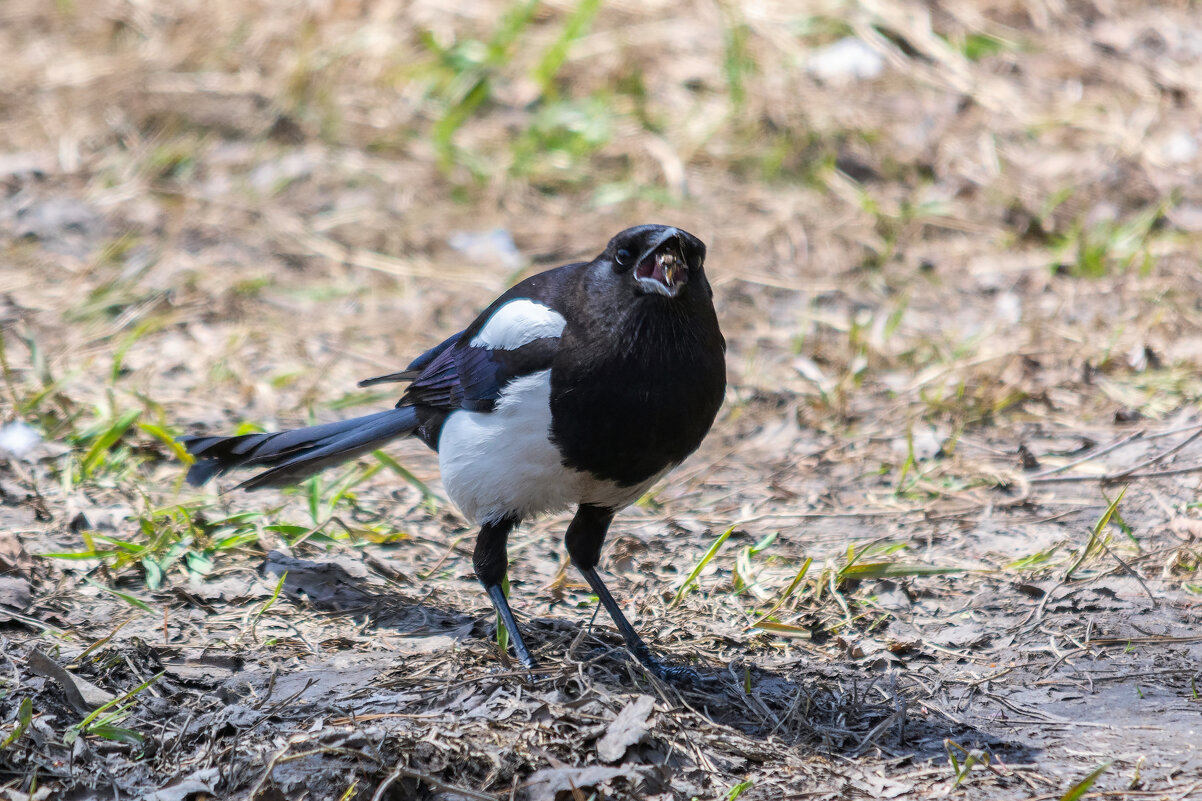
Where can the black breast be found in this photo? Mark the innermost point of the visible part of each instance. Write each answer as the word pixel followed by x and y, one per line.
pixel 638 395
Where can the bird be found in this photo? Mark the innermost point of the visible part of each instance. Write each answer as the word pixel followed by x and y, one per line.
pixel 581 386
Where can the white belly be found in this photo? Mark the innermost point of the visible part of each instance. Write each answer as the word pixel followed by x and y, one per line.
pixel 503 463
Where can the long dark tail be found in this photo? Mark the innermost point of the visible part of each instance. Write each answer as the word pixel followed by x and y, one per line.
pixel 296 454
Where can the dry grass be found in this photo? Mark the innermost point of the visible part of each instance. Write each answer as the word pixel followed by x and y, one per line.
pixel 961 302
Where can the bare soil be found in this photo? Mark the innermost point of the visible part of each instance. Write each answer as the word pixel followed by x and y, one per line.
pixel 961 300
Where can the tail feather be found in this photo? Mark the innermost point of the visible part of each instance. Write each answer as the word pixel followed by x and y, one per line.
pixel 298 453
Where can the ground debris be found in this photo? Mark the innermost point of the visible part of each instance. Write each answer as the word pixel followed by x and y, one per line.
pixel 335 583
pixel 954 252
pixel 627 729
pixel 82 694
pixel 548 783
pixel 201 782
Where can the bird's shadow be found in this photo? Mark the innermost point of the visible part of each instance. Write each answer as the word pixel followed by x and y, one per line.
pixel 848 708
pixel 338 586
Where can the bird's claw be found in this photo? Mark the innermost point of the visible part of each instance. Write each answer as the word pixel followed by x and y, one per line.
pixel 525 669
pixel 531 666
pixel 676 674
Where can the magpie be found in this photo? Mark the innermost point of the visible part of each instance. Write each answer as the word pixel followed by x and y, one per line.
pixel 580 386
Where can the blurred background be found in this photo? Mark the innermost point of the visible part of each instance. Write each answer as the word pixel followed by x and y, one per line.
pixel 954 246
pixel 882 184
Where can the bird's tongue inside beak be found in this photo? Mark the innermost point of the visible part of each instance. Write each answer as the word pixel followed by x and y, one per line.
pixel 662 271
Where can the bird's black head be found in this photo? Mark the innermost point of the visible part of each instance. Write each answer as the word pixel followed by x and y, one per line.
pixel 658 260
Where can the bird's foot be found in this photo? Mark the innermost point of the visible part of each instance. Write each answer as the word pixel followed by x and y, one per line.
pixel 675 674
pixel 527 674
pixel 678 674
pixel 525 662
pixel 528 662
pixel 520 664
pixel 530 674
pixel 531 668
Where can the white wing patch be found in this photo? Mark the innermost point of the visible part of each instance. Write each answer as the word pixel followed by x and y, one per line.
pixel 517 323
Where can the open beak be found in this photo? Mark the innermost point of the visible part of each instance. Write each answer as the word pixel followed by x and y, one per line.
pixel 662 269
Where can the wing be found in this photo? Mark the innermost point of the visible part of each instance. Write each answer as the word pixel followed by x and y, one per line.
pixel 416 366
pixel 516 336
pixel 472 377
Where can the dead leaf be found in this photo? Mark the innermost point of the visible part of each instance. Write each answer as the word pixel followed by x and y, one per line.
pixel 546 783
pixel 963 634
pixel 81 693
pixel 336 583
pixel 1186 527
pixel 15 592
pixel 202 781
pixel 231 589
pixel 199 672
pixel 882 786
pixel 627 729
pixel 13 794
pixel 12 555
pixel 434 642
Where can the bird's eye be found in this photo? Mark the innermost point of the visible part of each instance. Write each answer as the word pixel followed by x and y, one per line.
pixel 622 257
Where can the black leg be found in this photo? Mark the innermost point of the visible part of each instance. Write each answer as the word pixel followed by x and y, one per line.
pixel 586 535
pixel 491 562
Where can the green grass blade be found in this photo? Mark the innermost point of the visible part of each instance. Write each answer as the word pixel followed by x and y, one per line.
pixel 107 440
pixel 801 573
pixel 705 560
pixel 428 495
pixel 783 629
pixel 764 543
pixel 553 59
pixel 153 573
pixel 122 349
pixel 1034 560
pixel 1082 787
pixel 32 403
pixel 508 32
pixel 472 87
pixel 313 492
pixel 24 718
pixel 121 699
pixel 1095 534
pixel 346 484
pixel 158 432
pixel 270 602
pixel 132 600
pixel 874 570
pixel 90 554
pixel 502 631
pixel 739 789
pixel 122 545
pixel 737 63
pixel 911 463
pixel 117 734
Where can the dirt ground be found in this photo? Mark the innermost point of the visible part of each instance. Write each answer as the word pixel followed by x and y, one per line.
pixel 955 255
